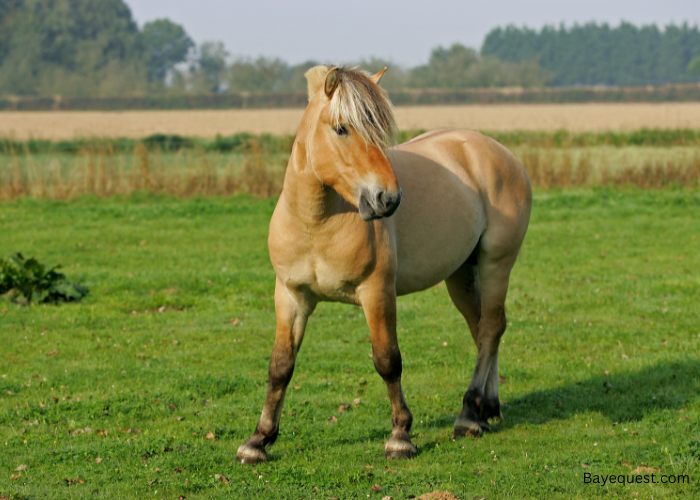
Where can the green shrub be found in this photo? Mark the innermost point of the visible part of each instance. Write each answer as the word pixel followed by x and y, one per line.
pixel 27 280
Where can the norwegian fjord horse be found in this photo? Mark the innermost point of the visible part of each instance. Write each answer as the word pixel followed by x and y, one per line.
pixel 336 235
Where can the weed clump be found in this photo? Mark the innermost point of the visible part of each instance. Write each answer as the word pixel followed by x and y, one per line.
pixel 26 280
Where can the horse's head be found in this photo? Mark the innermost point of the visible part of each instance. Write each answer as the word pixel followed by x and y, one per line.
pixel 350 121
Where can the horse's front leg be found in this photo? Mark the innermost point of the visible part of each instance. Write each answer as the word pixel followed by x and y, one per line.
pixel 292 310
pixel 380 309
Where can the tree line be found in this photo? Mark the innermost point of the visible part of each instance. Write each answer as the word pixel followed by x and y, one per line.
pixel 594 54
pixel 95 48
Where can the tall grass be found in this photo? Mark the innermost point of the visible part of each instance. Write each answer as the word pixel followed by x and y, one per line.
pixel 568 167
pixel 104 171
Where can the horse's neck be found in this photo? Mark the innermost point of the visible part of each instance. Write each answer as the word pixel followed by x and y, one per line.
pixel 306 197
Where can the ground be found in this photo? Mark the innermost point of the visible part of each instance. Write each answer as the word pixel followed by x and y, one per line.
pixel 147 387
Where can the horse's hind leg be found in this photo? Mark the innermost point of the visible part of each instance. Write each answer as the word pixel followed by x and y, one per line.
pixel 481 400
pixel 465 293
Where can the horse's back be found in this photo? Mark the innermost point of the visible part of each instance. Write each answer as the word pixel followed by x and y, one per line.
pixel 460 189
pixel 479 162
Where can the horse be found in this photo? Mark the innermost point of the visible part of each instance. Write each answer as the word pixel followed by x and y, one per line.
pixel 337 234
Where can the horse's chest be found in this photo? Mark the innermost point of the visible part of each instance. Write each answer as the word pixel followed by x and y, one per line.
pixel 328 268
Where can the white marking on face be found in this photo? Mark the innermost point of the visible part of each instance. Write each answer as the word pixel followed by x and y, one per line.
pixel 370 186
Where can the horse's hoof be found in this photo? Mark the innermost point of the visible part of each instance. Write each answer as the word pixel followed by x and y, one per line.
pixel 249 455
pixel 400 455
pixel 400 450
pixel 471 429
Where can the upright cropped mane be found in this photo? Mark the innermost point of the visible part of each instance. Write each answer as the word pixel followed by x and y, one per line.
pixel 365 106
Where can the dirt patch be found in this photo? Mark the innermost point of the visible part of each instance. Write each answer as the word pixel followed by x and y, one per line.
pixel 438 495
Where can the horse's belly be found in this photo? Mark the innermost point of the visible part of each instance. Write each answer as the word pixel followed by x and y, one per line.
pixel 431 258
pixel 437 227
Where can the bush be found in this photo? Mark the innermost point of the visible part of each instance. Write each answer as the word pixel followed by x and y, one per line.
pixel 27 280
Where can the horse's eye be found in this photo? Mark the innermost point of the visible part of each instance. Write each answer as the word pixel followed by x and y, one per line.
pixel 341 130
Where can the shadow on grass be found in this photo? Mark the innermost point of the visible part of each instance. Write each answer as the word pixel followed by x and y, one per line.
pixel 625 397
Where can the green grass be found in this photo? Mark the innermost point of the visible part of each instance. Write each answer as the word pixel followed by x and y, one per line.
pixel 600 362
pixel 269 143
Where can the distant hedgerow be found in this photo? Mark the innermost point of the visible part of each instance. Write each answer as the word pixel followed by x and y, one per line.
pixel 26 280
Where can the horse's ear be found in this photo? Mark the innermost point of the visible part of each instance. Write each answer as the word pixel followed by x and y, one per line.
pixel 332 80
pixel 378 76
pixel 314 79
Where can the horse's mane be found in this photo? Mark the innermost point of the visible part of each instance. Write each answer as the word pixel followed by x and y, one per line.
pixel 363 105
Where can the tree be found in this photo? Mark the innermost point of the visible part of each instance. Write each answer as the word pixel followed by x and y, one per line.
pixel 446 67
pixel 595 54
pixel 209 67
pixel 166 44
pixel 694 66
pixel 461 67
pixel 9 10
pixel 69 47
pixel 261 74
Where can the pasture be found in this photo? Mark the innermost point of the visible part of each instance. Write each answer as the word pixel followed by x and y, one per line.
pixel 62 125
pixel 147 387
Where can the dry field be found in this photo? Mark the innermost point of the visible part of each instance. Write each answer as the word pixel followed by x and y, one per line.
pixel 190 173
pixel 208 123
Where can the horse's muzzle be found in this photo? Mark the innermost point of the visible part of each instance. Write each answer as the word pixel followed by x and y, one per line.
pixel 378 204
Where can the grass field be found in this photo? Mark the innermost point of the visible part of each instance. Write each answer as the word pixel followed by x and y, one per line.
pixel 208 123
pixel 244 163
pixel 114 397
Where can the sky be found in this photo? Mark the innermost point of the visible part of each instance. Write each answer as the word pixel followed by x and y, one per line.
pixel 402 31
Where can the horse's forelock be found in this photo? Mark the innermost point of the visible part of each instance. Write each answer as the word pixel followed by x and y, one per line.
pixel 365 106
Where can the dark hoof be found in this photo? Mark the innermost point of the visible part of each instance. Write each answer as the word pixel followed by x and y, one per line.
pixel 466 429
pixel 400 454
pixel 249 455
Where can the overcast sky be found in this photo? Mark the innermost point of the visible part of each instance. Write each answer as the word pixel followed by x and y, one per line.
pixel 402 31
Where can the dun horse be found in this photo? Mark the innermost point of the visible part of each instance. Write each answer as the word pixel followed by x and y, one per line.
pixel 339 234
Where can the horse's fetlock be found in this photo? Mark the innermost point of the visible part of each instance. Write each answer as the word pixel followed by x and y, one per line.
pixel 492 409
pixel 266 434
pixel 400 434
pixel 473 399
pixel 404 421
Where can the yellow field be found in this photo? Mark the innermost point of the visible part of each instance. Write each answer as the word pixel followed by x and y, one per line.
pixel 207 124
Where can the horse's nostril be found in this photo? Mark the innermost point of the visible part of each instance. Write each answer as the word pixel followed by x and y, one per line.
pixel 378 204
pixel 380 199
